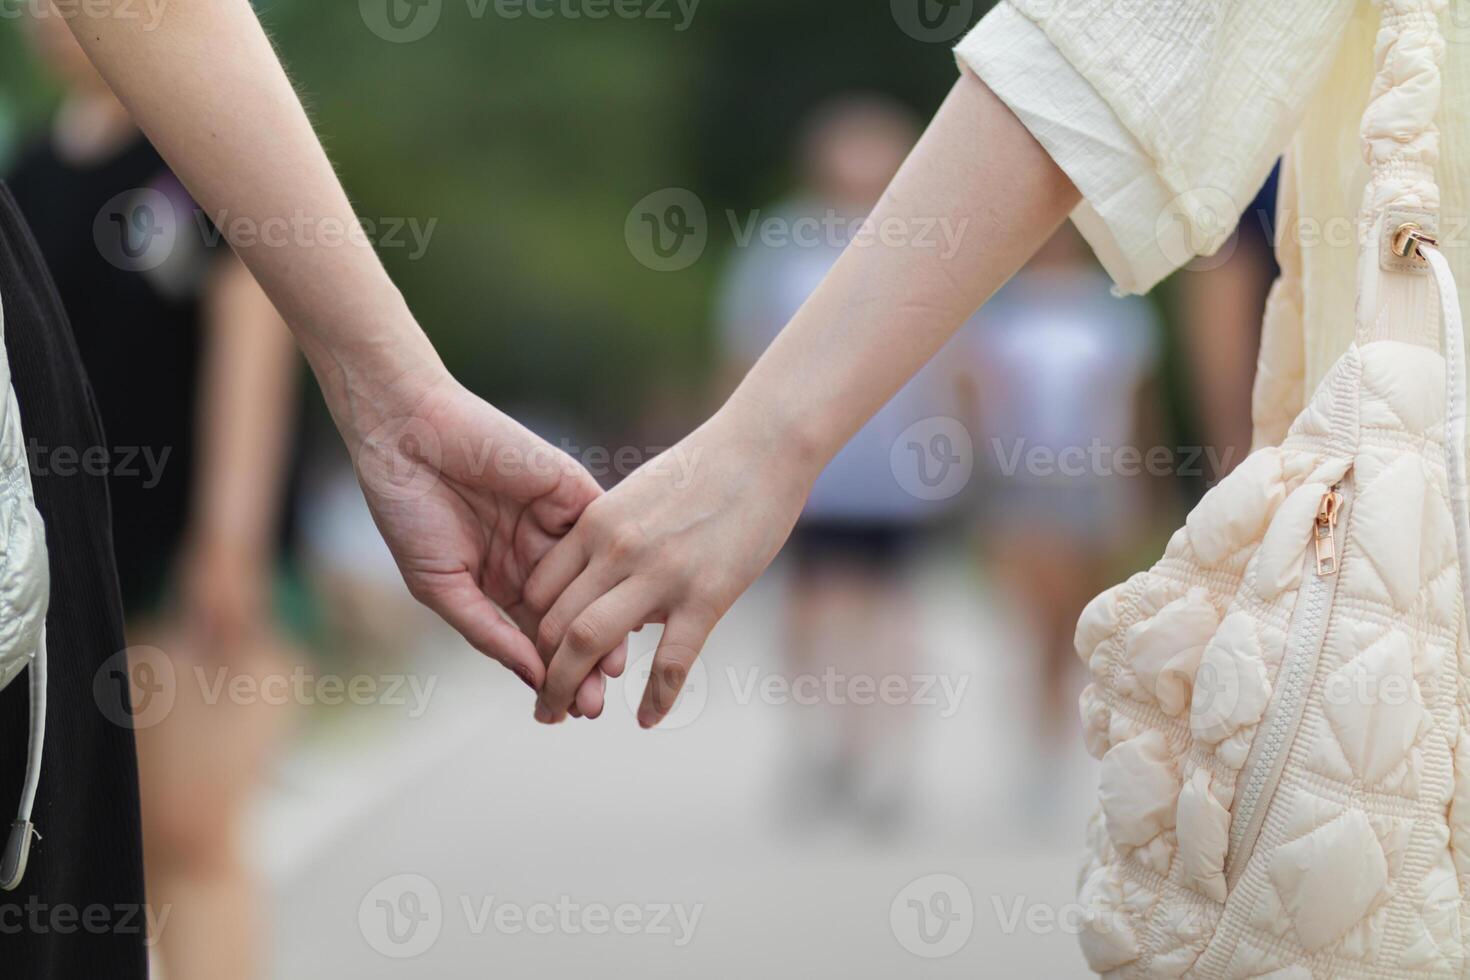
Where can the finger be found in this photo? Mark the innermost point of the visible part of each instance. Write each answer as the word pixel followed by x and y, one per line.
pixel 595 581
pixel 590 696
pixel 463 606
pixel 523 618
pixel 558 511
pixel 616 662
pixel 553 573
pixel 596 632
pixel 684 637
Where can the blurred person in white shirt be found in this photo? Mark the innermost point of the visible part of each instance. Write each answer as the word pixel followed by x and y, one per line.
pixel 1063 392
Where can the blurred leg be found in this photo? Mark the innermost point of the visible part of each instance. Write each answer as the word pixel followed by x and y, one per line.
pixel 1054 577
pixel 815 635
pixel 885 652
pixel 200 768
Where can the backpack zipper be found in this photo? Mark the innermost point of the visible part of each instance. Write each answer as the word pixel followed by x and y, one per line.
pixel 1262 770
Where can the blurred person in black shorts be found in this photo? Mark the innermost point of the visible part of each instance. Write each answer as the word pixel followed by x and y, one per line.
pixel 851 600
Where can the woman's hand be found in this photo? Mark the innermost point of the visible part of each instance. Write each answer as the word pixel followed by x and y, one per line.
pixel 224 591
pixel 676 543
pixel 469 502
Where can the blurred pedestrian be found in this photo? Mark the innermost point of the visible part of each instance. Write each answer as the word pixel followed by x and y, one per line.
pixel 1063 390
pixel 851 600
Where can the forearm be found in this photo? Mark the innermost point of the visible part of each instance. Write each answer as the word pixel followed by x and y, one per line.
pixel 207 88
pixel 247 397
pixel 977 197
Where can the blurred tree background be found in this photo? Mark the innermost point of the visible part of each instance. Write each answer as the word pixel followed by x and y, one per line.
pixel 529 140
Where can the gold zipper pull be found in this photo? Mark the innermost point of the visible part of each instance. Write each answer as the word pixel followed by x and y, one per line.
pixel 1325 532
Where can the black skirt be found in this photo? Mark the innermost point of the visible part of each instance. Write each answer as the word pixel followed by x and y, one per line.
pixel 80 910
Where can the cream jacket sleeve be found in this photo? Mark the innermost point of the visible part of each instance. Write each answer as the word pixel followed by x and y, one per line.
pixel 1166 114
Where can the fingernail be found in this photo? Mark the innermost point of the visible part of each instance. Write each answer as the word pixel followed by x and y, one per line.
pixel 646 720
pixel 543 713
pixel 526 678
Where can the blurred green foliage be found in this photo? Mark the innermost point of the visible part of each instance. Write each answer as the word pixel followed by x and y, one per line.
pixel 530 139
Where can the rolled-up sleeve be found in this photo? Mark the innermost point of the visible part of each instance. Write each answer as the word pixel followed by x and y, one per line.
pixel 1167 115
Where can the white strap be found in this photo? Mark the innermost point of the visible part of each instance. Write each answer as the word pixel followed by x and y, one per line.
pixel 1452 326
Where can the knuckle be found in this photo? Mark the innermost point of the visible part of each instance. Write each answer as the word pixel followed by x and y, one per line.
pixel 583 636
pixel 624 542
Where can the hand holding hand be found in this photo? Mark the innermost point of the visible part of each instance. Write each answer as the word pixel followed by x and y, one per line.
pixel 676 543
pixel 469 501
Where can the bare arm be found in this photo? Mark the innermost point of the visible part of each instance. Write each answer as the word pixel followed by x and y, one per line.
pixel 679 549
pixel 246 401
pixel 206 87
pixel 884 311
pixel 467 500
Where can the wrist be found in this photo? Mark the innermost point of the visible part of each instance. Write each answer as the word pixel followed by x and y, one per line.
pixel 790 451
pixel 377 380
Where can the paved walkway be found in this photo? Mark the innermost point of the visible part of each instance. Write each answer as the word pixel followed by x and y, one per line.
pixel 471 843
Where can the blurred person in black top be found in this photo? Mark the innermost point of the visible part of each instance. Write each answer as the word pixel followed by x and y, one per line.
pixel 193 373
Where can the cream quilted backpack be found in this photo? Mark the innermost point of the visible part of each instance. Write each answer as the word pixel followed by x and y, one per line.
pixel 1280 704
